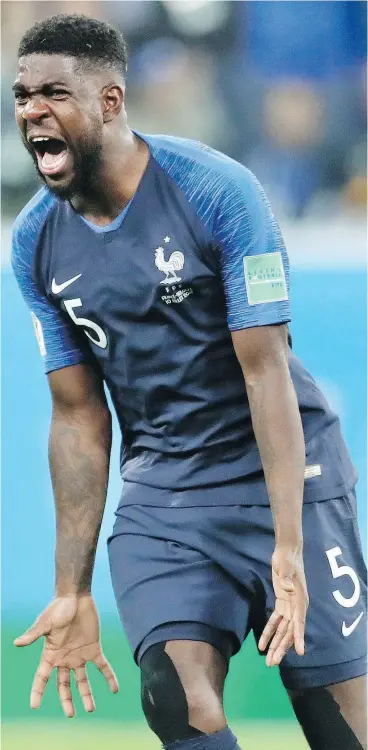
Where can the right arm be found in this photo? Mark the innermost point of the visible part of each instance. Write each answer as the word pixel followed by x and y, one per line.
pixel 80 437
pixel 79 454
pixel 79 450
pixel 80 442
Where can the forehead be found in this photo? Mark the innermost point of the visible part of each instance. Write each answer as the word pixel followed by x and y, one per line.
pixel 36 70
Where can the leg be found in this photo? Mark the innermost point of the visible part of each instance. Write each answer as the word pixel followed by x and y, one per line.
pixel 182 692
pixel 333 717
pixel 327 686
pixel 184 615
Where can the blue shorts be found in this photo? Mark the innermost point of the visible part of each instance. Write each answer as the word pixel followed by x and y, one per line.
pixel 204 573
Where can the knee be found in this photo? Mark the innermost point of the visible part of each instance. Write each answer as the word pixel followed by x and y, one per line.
pixel 173 712
pixel 205 711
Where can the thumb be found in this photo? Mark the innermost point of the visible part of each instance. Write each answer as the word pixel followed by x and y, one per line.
pixel 32 634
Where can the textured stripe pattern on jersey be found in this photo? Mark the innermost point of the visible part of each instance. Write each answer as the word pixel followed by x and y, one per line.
pixel 234 209
pixel 60 345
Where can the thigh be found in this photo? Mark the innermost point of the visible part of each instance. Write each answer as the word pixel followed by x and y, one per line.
pixel 336 619
pixel 334 716
pixel 197 664
pixel 351 697
pixel 160 581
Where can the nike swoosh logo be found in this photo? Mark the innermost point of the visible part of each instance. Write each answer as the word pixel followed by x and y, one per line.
pixel 348 630
pixel 57 288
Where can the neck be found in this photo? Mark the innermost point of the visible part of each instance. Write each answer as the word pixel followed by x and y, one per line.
pixel 123 163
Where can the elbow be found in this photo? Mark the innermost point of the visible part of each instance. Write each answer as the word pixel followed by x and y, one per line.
pixel 258 371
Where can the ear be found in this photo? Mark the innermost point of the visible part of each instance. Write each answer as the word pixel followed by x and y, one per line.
pixel 112 101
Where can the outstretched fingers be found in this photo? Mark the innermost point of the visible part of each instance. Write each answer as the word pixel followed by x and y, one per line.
pixel 278 649
pixel 105 668
pixel 84 688
pixel 269 630
pixel 65 692
pixel 277 642
pixel 40 681
pixel 299 630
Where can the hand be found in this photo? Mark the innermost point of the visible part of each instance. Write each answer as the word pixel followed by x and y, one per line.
pixel 287 623
pixel 71 628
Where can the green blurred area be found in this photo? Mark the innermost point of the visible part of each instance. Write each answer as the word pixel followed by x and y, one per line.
pixel 253 692
pixel 47 736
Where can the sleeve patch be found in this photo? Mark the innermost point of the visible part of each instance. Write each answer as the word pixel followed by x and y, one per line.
pixel 265 278
pixel 39 334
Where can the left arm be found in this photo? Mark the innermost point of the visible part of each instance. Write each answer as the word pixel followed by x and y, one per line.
pixel 255 274
pixel 263 356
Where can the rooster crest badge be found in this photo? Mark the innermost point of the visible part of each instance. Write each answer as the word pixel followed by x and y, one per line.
pixel 169 267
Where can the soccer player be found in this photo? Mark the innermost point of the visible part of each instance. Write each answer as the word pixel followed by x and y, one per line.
pixel 154 265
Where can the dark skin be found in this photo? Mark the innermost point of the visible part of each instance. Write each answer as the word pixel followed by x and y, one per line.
pixel 263 357
pixel 79 453
pixel 86 109
pixel 54 96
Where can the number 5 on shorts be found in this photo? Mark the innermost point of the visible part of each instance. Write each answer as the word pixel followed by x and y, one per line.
pixel 339 571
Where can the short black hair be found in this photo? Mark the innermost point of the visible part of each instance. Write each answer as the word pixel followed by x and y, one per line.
pixel 86 39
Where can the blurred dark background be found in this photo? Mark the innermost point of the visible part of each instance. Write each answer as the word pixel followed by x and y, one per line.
pixel 280 86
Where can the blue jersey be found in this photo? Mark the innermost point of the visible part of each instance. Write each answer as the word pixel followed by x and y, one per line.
pixel 151 300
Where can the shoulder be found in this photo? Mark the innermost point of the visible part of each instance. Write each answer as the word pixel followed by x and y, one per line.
pixel 178 154
pixel 213 181
pixel 29 223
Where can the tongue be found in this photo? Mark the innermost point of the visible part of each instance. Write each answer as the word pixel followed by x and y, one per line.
pixel 49 160
pixel 51 163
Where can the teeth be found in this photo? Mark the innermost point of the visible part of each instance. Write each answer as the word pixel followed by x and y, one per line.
pixel 41 138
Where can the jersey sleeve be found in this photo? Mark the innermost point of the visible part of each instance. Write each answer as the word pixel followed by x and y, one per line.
pixel 253 259
pixel 56 339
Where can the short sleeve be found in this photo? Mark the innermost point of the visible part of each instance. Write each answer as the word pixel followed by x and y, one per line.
pixel 56 339
pixel 253 258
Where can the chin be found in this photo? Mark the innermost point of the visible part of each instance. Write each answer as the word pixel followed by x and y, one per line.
pixel 61 190
pixel 62 187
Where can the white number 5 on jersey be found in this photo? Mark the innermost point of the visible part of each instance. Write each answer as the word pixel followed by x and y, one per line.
pixel 339 571
pixel 101 339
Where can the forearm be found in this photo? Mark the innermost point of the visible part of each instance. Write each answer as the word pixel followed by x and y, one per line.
pixel 79 454
pixel 278 429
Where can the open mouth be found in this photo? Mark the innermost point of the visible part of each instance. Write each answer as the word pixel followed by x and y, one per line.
pixel 52 154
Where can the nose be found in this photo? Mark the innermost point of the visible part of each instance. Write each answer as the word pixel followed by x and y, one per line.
pixel 35 109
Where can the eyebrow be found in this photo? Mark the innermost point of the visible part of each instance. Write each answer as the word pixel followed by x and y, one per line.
pixel 44 89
